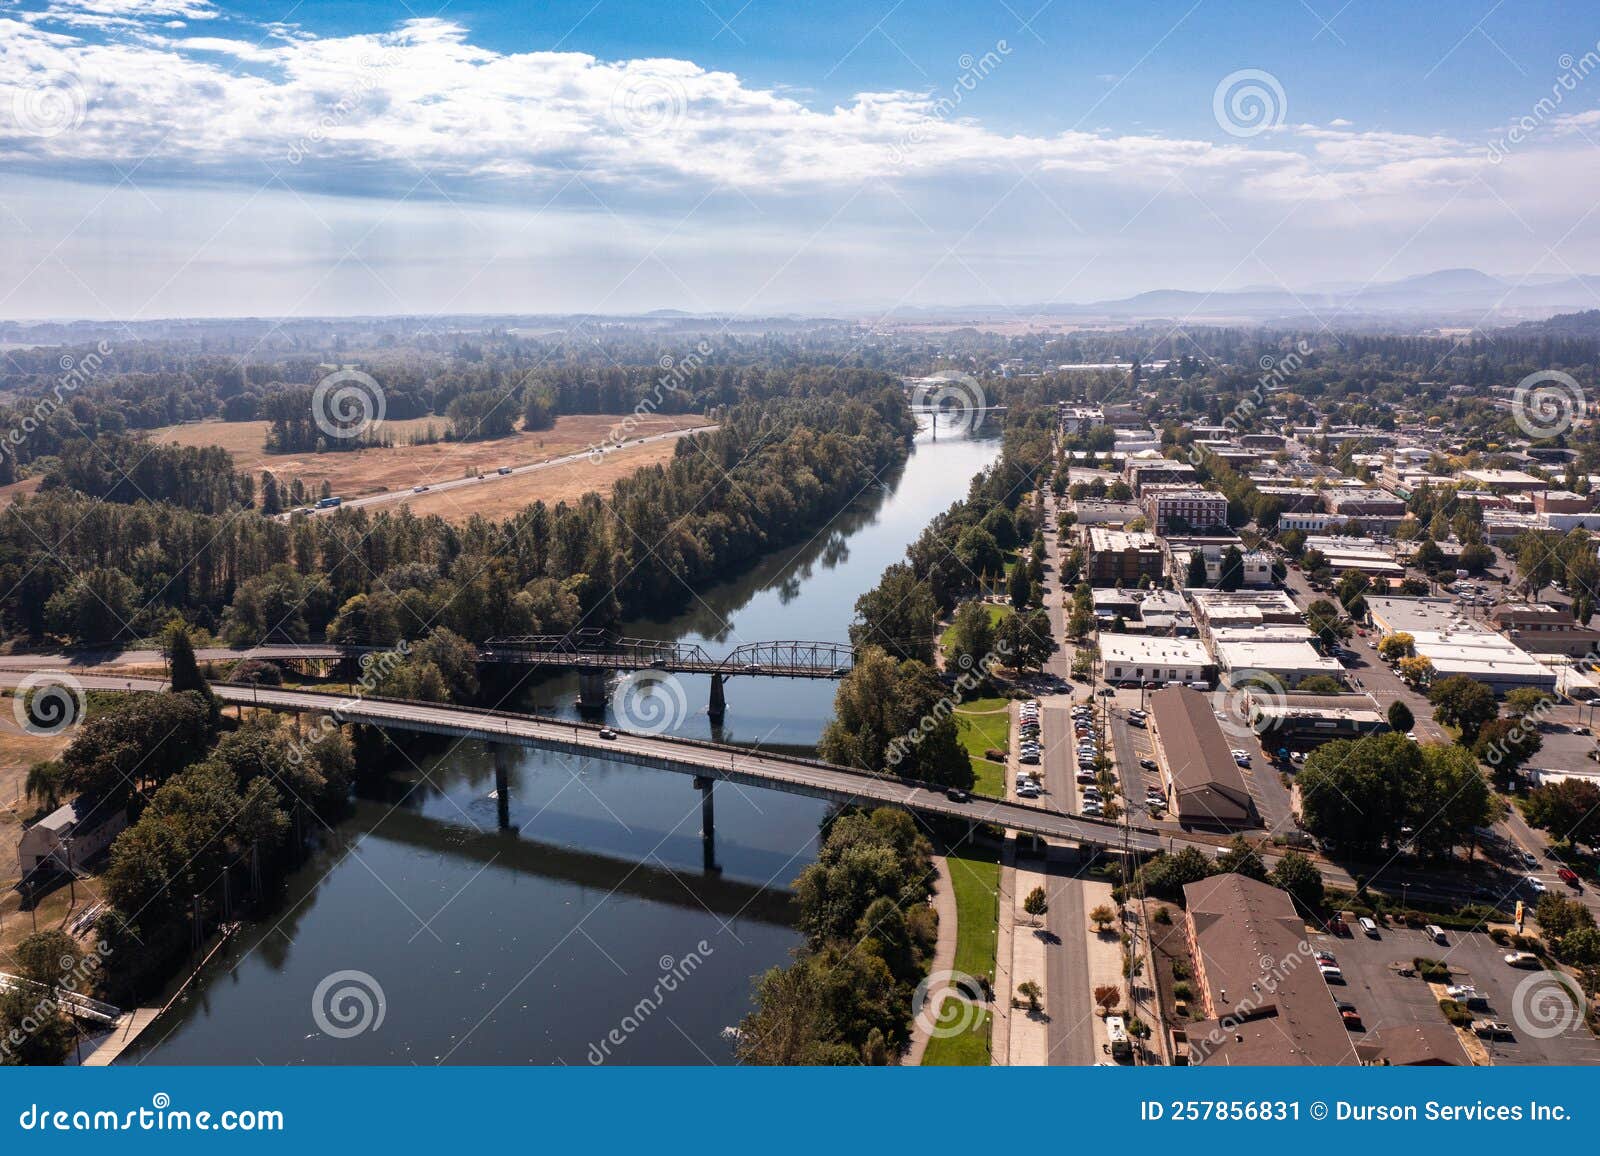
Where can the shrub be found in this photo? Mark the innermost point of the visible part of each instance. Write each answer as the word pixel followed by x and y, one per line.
pixel 1162 916
pixel 1456 1013
pixel 1182 990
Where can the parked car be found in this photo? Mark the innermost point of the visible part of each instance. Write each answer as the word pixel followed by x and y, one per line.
pixel 1149 764
pixel 1492 1030
pixel 1522 959
pixel 1369 928
pixel 1331 974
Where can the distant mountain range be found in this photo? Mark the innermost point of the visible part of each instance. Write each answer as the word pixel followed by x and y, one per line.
pixel 1447 297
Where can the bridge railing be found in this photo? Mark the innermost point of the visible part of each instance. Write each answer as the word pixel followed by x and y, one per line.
pixel 702 744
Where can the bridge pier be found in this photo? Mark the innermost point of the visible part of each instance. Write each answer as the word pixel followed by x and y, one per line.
pixel 592 690
pixel 502 783
pixel 718 706
pixel 708 825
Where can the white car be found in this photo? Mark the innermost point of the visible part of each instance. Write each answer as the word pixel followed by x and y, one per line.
pixel 1535 884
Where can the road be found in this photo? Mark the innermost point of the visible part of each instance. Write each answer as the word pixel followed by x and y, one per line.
pixel 495 476
pixel 685 756
pixel 69 660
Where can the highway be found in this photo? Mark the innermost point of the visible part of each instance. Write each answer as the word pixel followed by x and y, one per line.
pixel 496 476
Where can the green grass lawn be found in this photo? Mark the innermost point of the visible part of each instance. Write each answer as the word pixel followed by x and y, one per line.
pixel 996 610
pixel 975 880
pixel 982 723
pixel 970 1049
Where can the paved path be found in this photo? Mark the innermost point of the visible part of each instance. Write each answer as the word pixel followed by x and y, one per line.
pixel 944 957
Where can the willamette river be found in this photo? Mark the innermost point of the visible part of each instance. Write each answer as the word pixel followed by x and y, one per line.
pixel 533 944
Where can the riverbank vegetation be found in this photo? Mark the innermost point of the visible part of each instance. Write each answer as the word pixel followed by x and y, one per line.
pixel 869 933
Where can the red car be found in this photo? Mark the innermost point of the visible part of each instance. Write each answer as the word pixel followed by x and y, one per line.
pixel 1570 877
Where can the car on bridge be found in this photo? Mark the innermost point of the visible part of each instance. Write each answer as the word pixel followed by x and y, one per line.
pixel 607 733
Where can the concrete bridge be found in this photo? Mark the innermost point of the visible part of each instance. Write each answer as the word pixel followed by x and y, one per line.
pixel 706 762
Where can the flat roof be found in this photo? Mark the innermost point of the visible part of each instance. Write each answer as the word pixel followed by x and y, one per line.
pixel 1274 656
pixel 1141 649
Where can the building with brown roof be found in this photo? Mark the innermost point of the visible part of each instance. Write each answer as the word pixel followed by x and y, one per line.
pixel 1202 780
pixel 1264 999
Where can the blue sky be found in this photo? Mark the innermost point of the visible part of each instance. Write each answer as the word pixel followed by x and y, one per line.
pixel 163 157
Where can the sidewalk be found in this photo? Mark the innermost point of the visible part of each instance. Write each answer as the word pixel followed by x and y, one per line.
pixel 1029 1031
pixel 944 958
pixel 1105 959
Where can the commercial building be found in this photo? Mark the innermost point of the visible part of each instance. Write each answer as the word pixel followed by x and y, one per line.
pixel 1288 662
pixel 1300 721
pixel 1181 509
pixel 1360 554
pixel 1113 514
pixel 1140 472
pixel 1264 999
pixel 1456 645
pixel 1504 481
pixel 1203 783
pixel 1546 630
pixel 1122 556
pixel 1078 418
pixel 1135 659
pixel 1247 608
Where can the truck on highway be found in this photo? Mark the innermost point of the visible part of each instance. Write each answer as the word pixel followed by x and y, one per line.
pixel 329 503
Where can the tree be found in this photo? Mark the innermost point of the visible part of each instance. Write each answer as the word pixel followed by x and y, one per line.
pixel 897 615
pixel 1031 992
pixel 1476 558
pixel 1526 700
pixel 1428 556
pixel 1165 876
pixel 1351 591
pixel 1231 576
pixel 1299 876
pixel 1396 646
pixel 1319 684
pixel 1463 703
pixel 1018 586
pixel 1505 744
pixel 1242 859
pixel 44 783
pixel 1102 917
pixel 1569 809
pixel 1353 791
pixel 1197 569
pixel 185 671
pixel 1400 717
pixel 271 500
pixel 1035 904
pixel 1106 997
pixel 1327 623
pixel 971 639
pixel 1417 670
pixel 1448 798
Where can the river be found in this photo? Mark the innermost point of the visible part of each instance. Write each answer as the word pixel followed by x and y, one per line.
pixel 588 931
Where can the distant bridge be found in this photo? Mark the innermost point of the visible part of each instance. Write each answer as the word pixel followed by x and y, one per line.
pixel 594 653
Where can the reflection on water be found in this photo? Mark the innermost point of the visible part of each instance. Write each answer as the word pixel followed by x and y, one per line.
pixel 537 943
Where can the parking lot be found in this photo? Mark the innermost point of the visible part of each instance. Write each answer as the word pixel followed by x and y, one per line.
pixel 1387 999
